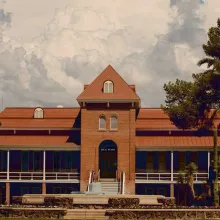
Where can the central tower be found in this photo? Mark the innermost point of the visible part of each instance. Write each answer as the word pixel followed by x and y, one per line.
pixel 108 114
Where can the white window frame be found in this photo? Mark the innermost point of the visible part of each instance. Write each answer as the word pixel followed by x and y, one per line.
pixel 38 113
pixel 100 117
pixel 107 87
pixel 113 116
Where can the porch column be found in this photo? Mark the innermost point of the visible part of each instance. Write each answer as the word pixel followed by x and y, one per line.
pixel 8 162
pixel 44 164
pixel 208 162
pixel 171 166
pixel 172 190
pixel 7 193
pixel 44 191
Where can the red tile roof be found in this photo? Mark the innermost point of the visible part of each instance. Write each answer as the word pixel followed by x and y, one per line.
pixel 122 91
pixel 148 118
pixel 53 118
pixel 35 140
pixel 174 141
pixel 155 118
pixel 48 113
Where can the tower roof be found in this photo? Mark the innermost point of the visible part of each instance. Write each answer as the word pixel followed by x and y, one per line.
pixel 121 91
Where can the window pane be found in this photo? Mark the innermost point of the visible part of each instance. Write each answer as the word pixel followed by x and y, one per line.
pixel 105 87
pixel 102 123
pixel 25 161
pixel 37 161
pixel 3 158
pixel 110 87
pixel 36 190
pixel 56 161
pixel 68 160
pixel 24 190
pixel 114 123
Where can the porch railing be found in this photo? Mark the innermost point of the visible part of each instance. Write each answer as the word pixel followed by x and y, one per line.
pixel 167 176
pixel 39 176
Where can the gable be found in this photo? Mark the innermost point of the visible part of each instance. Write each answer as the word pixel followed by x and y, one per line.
pixel 122 91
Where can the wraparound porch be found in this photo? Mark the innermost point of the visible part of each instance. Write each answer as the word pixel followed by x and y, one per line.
pixel 38 166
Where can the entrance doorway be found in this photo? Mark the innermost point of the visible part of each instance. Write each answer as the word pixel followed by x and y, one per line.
pixel 108 159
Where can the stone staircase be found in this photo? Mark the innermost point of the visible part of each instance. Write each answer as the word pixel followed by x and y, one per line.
pixel 94 214
pixel 110 187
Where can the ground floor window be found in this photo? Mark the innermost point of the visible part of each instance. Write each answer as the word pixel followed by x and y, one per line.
pixel 58 188
pixel 37 161
pixel 3 161
pixel 25 161
pixel 152 189
pixel 36 190
pixel 56 161
pixel 182 159
pixel 153 161
pixel 24 190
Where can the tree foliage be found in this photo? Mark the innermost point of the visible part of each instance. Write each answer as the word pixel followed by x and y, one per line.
pixel 190 104
pixel 212 49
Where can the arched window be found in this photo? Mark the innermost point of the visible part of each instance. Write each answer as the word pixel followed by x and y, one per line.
pixel 114 123
pixel 102 122
pixel 108 87
pixel 38 113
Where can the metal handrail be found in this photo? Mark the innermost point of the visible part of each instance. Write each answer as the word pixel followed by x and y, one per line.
pixel 167 176
pixel 123 183
pixel 116 175
pixel 39 175
pixel 90 176
pixel 98 175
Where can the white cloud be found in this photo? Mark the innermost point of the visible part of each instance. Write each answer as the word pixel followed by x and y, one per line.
pixel 147 42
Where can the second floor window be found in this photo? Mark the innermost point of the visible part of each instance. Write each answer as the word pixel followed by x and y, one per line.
pixel 114 123
pixel 102 122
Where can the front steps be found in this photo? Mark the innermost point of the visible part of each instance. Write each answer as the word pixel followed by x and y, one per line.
pixel 109 187
pixel 86 214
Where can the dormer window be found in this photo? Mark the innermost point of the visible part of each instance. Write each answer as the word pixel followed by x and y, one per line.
pixel 38 113
pixel 108 87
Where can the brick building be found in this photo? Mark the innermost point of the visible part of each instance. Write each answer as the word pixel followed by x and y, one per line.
pixel 109 138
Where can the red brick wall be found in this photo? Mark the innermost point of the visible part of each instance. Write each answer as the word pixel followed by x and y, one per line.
pixel 91 138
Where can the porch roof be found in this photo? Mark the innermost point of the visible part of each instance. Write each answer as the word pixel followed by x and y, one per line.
pixel 175 141
pixel 37 140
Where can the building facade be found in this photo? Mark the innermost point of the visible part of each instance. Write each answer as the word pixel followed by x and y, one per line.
pixel 108 138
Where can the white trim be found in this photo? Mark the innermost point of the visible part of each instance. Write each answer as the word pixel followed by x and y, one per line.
pixel 169 148
pixel 109 100
pixel 171 165
pixel 40 181
pixel 40 147
pixel 44 164
pixel 38 129
pixel 8 164
pixel 208 162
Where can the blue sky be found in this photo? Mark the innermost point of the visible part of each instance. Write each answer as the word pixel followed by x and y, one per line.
pixel 50 48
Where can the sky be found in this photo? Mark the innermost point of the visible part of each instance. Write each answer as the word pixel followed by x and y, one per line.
pixel 50 48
